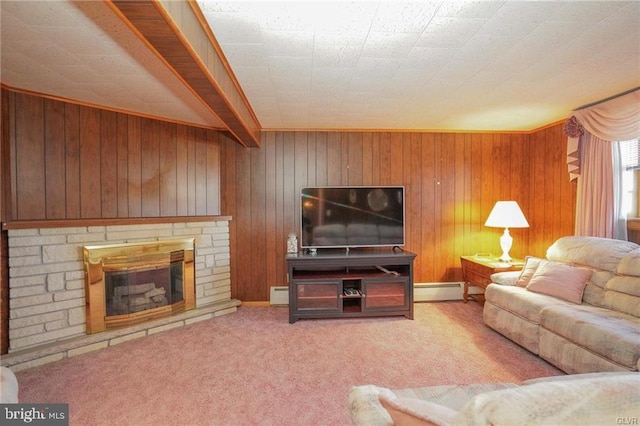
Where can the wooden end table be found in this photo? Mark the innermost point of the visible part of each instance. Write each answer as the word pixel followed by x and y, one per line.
pixel 477 270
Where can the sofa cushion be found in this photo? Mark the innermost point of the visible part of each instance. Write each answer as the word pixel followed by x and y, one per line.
pixel 559 280
pixel 623 295
pixel 531 264
pixel 630 264
pixel 600 253
pixel 625 284
pixel 613 335
pixel 519 301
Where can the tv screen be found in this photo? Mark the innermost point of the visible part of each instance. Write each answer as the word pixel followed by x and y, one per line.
pixel 352 216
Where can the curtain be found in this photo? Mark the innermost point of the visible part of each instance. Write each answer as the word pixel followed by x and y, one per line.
pixel 590 159
pixel 595 210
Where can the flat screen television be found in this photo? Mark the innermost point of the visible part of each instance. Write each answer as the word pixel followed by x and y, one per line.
pixel 352 216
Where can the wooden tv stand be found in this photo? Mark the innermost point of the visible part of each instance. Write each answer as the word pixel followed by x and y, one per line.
pixel 355 283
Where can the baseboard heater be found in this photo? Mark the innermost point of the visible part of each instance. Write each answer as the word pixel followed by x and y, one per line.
pixel 279 296
pixel 427 292
pixel 422 292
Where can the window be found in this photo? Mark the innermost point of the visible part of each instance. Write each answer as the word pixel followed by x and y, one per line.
pixel 630 151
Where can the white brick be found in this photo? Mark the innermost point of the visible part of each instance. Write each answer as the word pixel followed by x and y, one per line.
pixel 222 262
pixel 198 224
pixel 204 279
pixel 23 232
pixel 25 251
pixel 69 295
pixel 37 319
pixel 222 283
pixel 37 362
pixel 37 240
pixel 86 239
pixel 220 237
pixel 198 319
pixel 128 337
pixel 45 269
pixel 77 316
pixel 33 290
pixel 56 325
pixel 61 253
pixel 75 275
pixel 203 241
pixel 30 301
pixel 74 285
pixel 203 251
pixel 64 231
pixel 47 307
pixel 55 282
pixel 28 281
pixel 88 348
pixel 96 229
pixel 16 262
pixel 50 336
pixel 22 332
pixel 166 327
pixel 133 235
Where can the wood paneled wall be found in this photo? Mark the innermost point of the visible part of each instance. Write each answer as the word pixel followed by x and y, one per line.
pixel 451 181
pixel 66 162
pixel 76 162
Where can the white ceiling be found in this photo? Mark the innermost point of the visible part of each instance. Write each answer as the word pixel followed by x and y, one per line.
pixel 429 65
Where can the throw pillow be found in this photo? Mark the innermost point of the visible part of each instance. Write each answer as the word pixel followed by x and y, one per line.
pixel 416 412
pixel 560 280
pixel 530 265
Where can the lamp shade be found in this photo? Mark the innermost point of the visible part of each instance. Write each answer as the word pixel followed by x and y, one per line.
pixel 506 214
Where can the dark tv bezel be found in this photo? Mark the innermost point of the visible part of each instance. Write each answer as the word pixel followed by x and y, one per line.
pixel 348 246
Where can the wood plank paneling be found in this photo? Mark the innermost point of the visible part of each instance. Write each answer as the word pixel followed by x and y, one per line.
pixel 452 182
pixel 90 173
pixel 109 163
pixel 77 162
pixel 29 157
pixel 55 159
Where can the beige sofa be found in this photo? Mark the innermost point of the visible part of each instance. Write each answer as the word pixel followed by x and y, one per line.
pixel 580 327
pixel 8 386
pixel 585 399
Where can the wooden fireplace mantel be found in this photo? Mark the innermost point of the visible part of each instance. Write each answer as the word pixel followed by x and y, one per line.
pixel 27 224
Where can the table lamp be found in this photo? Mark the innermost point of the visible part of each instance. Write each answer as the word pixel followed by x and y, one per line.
pixel 506 214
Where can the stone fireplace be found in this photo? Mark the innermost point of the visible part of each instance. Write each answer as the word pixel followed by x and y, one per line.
pixel 130 283
pixel 49 293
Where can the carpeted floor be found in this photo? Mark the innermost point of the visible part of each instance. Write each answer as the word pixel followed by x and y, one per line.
pixel 254 368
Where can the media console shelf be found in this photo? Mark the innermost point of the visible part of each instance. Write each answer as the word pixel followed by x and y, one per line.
pixel 356 283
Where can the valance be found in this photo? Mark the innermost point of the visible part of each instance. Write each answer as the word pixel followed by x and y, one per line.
pixel 617 119
pixel 614 120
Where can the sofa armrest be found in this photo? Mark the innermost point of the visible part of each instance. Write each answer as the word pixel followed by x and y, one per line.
pixel 8 386
pixel 505 278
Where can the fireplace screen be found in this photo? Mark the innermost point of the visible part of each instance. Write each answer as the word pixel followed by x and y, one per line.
pixel 130 283
pixel 137 290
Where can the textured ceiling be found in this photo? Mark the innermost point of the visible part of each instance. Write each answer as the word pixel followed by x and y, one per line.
pixel 431 65
pixel 451 65
pixel 82 51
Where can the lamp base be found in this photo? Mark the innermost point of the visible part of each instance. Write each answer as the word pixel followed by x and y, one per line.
pixel 506 241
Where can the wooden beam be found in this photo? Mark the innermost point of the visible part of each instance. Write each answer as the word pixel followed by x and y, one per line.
pixel 203 68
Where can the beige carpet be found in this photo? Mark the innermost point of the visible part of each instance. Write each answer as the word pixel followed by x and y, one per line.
pixel 254 368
